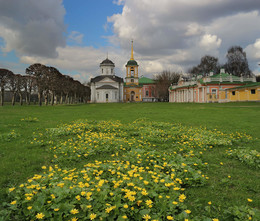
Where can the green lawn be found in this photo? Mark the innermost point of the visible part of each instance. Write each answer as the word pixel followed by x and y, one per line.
pixel 20 160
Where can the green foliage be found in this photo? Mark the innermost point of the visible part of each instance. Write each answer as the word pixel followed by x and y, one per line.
pixel 7 137
pixel 146 170
pixel 245 155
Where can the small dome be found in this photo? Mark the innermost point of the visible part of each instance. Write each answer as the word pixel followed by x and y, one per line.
pixel 132 62
pixel 107 62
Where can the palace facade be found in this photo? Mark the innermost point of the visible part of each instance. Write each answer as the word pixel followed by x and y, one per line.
pixel 212 88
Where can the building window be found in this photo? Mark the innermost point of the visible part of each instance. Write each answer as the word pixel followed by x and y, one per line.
pixel 106 96
pixel 233 93
pixel 147 93
pixel 152 93
pixel 253 91
pixel 115 95
pixel 98 96
pixel 132 80
pixel 132 72
pixel 214 91
pixel 102 70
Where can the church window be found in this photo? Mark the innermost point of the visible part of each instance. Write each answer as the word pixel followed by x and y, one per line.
pixel 98 96
pixel 115 95
pixel 233 93
pixel 147 93
pixel 102 70
pixel 132 80
pixel 253 91
pixel 132 72
pixel 153 93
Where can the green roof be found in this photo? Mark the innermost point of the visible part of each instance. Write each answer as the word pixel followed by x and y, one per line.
pixel 131 63
pixel 224 75
pixel 145 80
pixel 255 84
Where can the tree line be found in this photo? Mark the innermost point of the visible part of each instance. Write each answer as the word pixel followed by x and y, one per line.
pixel 51 86
pixel 236 64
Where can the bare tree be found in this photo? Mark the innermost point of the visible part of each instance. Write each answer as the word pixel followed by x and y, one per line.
pixel 39 71
pixel 5 76
pixel 207 64
pixel 164 81
pixel 237 63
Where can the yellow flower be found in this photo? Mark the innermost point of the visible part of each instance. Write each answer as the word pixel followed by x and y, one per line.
pixel 182 197
pixel 40 215
pixel 125 206
pixel 174 203
pixel 89 206
pixel 146 217
pixel 13 202
pixel 187 211
pixel 11 189
pixel 249 200
pixel 209 202
pixel 74 211
pixel 215 219
pixel 149 202
pixel 57 209
pixel 124 217
pixel 170 218
pixel 93 216
pixel 29 207
pixel 74 219
pixel 44 167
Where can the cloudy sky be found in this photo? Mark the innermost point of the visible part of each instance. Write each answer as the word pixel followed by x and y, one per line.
pixel 76 35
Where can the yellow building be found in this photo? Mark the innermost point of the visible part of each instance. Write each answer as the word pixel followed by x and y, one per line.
pixel 132 89
pixel 249 92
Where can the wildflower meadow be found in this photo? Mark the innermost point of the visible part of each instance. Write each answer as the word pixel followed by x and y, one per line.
pixel 140 170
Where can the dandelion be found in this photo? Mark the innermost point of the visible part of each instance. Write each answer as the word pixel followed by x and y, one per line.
pixel 187 211
pixel 209 202
pixel 170 218
pixel 124 217
pixel 13 202
pixel 249 200
pixel 29 207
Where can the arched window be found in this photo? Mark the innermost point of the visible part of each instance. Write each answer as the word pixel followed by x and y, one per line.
pixel 132 71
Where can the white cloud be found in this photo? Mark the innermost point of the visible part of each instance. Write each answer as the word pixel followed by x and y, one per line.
pixel 210 42
pixel 75 37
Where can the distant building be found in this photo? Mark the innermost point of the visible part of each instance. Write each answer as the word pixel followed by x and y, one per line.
pixel 107 87
pixel 149 93
pixel 213 88
pixel 132 89
pixel 248 92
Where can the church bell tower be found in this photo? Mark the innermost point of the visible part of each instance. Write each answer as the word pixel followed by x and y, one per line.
pixel 132 69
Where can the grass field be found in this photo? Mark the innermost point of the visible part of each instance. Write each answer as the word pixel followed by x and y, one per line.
pixel 19 159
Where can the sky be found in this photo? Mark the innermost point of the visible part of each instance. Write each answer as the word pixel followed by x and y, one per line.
pixel 75 36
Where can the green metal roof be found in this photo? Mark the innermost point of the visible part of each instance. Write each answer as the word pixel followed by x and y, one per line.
pixel 255 84
pixel 225 75
pixel 131 63
pixel 145 80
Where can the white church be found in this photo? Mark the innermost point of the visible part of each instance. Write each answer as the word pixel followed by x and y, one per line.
pixel 107 87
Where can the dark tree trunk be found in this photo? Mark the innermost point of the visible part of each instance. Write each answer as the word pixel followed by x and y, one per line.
pixel 40 98
pixel 13 99
pixel 21 99
pixel 2 97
